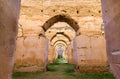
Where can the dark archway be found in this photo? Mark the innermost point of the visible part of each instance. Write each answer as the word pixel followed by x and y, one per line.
pixel 61 18
pixel 62 34
pixel 60 50
pixel 58 41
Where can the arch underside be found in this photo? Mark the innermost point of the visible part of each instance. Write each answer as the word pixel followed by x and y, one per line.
pixel 59 42
pixel 62 33
pixel 61 18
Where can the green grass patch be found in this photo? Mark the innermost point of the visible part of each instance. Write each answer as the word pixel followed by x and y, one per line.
pixel 60 67
pixel 90 75
pixel 60 60
pixel 62 71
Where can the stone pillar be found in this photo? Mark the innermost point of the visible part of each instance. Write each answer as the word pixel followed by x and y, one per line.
pixel 65 54
pixel 75 53
pixel 44 51
pixel 68 52
pixel 111 17
pixel 9 14
pixel 53 53
pixel 50 54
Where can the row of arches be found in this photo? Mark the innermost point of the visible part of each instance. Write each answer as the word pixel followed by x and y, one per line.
pixel 61 18
pixel 9 32
pixel 61 38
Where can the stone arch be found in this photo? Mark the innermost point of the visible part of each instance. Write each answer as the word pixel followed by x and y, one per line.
pixel 60 41
pixel 61 18
pixel 56 47
pixel 62 34
pixel 111 19
pixel 61 38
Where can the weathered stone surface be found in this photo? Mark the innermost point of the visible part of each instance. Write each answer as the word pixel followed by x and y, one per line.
pixel 50 54
pixel 70 54
pixel 98 46
pixel 8 31
pixel 34 13
pixel 111 16
pixel 91 52
pixel 60 22
pixel 30 52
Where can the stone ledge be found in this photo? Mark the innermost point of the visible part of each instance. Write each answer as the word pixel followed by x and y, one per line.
pixel 29 69
pixel 91 69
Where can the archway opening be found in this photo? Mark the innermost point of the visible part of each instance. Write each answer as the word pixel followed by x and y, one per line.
pixel 10 42
pixel 61 53
pixel 61 18
pixel 60 31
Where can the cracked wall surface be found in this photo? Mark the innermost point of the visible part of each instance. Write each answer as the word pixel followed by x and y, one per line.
pixel 35 13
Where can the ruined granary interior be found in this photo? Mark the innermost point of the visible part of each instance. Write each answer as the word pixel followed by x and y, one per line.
pixel 34 33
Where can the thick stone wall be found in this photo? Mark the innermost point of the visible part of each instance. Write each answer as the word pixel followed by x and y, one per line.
pixel 9 14
pixel 111 16
pixel 31 54
pixel 51 53
pixel 85 14
pixel 10 9
pixel 91 54
pixel 70 54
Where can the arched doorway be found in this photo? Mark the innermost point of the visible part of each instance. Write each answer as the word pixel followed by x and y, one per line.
pixel 62 18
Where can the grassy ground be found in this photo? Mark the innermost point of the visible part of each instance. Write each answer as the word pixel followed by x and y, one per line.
pixel 60 60
pixel 62 71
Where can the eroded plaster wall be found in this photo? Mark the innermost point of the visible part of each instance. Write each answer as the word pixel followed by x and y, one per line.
pixel 9 15
pixel 35 13
pixel 31 54
pixel 91 53
pixel 111 16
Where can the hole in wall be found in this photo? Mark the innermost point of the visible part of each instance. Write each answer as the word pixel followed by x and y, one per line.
pixel 41 10
pixel 64 11
pixel 99 11
pixel 54 10
pixel 88 10
pixel 49 31
pixel 77 12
